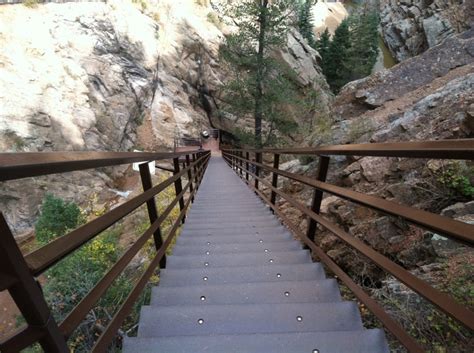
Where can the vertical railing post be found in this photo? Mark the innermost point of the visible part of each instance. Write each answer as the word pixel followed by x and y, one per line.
pixel 152 209
pixel 258 159
pixel 27 293
pixel 178 185
pixel 190 176
pixel 317 195
pixel 241 163
pixel 247 166
pixel 276 164
pixel 195 171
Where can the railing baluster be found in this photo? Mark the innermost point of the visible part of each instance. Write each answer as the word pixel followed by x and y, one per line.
pixel 247 165
pixel 178 186
pixel 258 159
pixel 317 196
pixel 152 209
pixel 276 164
pixel 190 177
pixel 28 295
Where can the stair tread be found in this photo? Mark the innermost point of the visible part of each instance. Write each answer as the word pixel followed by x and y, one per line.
pixel 248 318
pixel 233 239
pixel 325 290
pixel 222 275
pixel 253 246
pixel 360 341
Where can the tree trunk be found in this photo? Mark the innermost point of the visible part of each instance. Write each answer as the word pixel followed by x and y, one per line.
pixel 260 73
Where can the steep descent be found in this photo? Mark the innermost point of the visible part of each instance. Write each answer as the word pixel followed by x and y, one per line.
pixel 238 282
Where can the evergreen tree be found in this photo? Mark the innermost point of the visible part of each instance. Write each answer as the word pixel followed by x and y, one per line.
pixel 260 85
pixel 364 40
pixel 352 52
pixel 322 45
pixel 305 21
pixel 337 70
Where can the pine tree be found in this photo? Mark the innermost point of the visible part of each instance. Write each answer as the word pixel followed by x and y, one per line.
pixel 305 21
pixel 260 85
pixel 322 46
pixel 337 70
pixel 364 40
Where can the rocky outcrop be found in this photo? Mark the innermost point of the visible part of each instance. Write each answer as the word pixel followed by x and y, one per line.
pixel 410 27
pixel 423 98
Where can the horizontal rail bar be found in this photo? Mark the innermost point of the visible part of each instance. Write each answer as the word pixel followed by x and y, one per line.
pixel 441 300
pixel 444 149
pixel 31 164
pixel 461 231
pixel 45 257
pixel 109 332
pixel 395 328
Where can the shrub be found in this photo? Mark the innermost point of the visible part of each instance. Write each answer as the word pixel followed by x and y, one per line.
pixel 457 177
pixel 57 216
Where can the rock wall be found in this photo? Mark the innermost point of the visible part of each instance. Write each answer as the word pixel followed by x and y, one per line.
pixel 410 27
pixel 112 76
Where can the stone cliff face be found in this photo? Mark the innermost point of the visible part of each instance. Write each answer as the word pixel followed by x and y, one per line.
pixel 410 27
pixel 112 76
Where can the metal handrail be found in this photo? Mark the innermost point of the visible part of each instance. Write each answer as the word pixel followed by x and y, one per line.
pixel 19 272
pixel 245 167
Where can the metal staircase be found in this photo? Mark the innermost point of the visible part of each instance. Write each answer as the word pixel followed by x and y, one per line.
pixel 238 282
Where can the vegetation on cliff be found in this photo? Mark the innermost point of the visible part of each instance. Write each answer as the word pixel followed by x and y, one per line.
pixel 352 52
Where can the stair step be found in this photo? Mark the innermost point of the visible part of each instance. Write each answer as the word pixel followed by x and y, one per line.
pixel 203 239
pixel 249 274
pixel 242 259
pixel 233 218
pixel 363 341
pixel 253 246
pixel 235 225
pixel 223 232
pixel 249 293
pixel 248 318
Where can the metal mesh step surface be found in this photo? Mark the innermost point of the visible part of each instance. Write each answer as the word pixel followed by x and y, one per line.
pixel 237 281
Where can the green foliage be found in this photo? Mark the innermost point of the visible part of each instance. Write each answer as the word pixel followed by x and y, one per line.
pixel 70 280
pixel 336 63
pixel 457 177
pixel 305 21
pixel 260 85
pixel 352 52
pixel 57 216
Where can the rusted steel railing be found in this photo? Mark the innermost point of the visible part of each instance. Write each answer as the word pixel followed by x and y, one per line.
pixel 18 273
pixel 252 165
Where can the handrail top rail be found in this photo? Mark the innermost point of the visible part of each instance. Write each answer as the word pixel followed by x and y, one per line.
pixel 440 149
pixel 30 164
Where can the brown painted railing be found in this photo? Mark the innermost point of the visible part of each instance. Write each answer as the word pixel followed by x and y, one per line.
pixel 248 164
pixel 18 273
